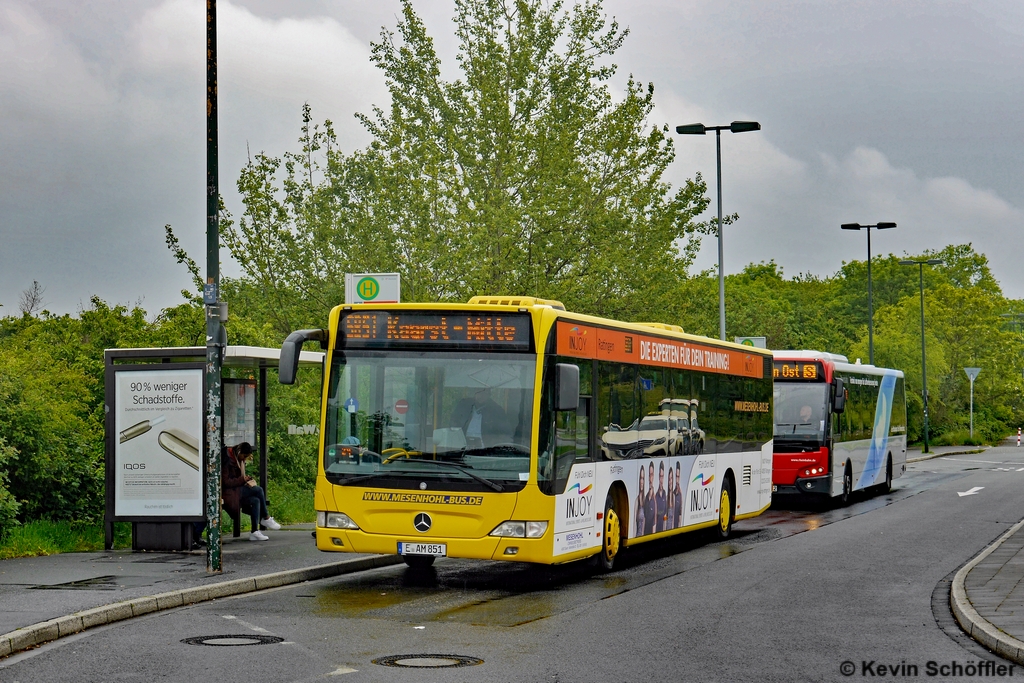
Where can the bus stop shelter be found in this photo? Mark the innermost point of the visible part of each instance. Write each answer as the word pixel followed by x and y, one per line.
pixel 155 436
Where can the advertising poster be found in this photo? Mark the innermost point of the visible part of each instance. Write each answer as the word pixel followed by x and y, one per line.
pixel 575 527
pixel 158 443
pixel 239 412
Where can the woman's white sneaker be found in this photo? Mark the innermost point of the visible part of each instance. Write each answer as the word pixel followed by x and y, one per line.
pixel 271 524
pixel 258 536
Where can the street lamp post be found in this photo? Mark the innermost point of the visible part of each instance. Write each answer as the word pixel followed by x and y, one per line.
pixel 871 312
pixel 701 129
pixel 924 371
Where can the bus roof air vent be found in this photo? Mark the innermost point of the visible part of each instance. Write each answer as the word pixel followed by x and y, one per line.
pixel 662 326
pixel 516 301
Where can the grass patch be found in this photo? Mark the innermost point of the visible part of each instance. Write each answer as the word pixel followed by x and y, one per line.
pixel 960 437
pixel 49 538
pixel 289 504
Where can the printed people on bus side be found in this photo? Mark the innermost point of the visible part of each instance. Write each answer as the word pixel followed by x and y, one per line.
pixel 678 493
pixel 650 508
pixel 661 499
pixel 670 515
pixel 640 505
pixel 481 419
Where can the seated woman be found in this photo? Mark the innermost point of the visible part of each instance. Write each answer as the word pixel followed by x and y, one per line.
pixel 241 491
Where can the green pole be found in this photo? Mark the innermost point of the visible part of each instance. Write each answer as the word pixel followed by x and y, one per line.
pixel 924 369
pixel 215 337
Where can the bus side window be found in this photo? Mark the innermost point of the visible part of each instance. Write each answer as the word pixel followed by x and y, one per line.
pixel 583 452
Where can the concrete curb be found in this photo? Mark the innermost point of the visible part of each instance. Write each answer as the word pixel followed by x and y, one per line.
pixel 45 631
pixel 930 456
pixel 974 624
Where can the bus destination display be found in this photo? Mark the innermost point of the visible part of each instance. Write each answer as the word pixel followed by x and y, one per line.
pixel 794 370
pixel 398 329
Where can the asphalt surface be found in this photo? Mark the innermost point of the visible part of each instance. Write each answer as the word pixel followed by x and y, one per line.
pixel 797 595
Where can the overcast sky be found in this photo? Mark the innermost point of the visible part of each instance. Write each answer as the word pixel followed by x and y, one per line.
pixel 871 111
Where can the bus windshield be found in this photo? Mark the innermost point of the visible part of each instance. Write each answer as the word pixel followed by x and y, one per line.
pixel 800 411
pixel 461 422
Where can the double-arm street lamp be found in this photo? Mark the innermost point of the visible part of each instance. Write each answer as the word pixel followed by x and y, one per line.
pixel 871 312
pixel 924 375
pixel 701 129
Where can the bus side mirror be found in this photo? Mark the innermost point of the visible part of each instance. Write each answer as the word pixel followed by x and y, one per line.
pixel 567 386
pixel 288 366
pixel 839 396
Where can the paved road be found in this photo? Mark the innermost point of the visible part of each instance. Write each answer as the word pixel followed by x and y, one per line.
pixel 793 596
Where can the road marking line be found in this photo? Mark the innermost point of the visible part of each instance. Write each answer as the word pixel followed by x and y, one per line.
pixel 342 670
pixel 972 492
pixel 987 462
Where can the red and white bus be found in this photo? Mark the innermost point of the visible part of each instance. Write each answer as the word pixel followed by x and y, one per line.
pixel 840 427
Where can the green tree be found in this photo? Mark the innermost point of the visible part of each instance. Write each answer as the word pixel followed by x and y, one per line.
pixel 522 176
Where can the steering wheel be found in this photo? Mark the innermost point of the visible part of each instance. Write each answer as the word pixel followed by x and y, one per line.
pixel 391 454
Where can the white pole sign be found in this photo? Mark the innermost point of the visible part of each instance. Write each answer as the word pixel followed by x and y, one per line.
pixel 158 432
pixel 373 288
pixel 972 374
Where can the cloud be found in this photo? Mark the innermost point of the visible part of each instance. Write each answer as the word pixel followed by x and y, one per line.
pixel 103 147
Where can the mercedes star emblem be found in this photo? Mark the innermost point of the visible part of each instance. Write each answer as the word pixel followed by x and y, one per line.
pixel 422 522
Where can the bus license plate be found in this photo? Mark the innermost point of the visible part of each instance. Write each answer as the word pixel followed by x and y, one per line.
pixel 435 549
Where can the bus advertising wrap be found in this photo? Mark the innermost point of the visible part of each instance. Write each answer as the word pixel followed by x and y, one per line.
pixel 585 341
pixel 158 432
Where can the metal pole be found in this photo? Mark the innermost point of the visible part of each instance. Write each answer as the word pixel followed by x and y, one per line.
pixel 264 408
pixel 721 251
pixel 871 310
pixel 972 407
pixel 211 298
pixel 924 370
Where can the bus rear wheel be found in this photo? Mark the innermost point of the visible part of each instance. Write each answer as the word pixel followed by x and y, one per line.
pixel 887 486
pixel 611 542
pixel 725 516
pixel 844 497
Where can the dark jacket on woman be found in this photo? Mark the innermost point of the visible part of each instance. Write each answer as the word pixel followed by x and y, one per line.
pixel 232 480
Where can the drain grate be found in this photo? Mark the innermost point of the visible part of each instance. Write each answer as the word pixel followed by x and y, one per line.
pixel 102 583
pixel 235 640
pixel 428 661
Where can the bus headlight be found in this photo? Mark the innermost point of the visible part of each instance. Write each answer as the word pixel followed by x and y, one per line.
pixel 335 520
pixel 515 529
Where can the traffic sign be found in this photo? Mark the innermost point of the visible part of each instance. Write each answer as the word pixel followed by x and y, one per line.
pixel 758 342
pixel 401 406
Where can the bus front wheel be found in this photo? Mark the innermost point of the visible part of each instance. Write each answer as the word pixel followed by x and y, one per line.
pixel 844 498
pixel 611 542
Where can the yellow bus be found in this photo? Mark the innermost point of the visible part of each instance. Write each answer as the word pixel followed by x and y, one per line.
pixel 511 429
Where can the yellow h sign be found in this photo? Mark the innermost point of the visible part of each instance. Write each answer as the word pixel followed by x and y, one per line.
pixel 368 289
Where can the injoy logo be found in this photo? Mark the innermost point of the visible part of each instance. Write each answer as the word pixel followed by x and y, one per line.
pixel 702 480
pixel 579 491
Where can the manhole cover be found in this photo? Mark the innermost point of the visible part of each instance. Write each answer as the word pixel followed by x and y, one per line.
pixel 428 661
pixel 232 640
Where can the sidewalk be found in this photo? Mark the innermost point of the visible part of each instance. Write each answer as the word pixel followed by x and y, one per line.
pixel 987 596
pixel 914 453
pixel 38 593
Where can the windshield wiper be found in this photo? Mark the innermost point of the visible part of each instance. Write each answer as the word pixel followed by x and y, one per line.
pixel 376 475
pixel 464 469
